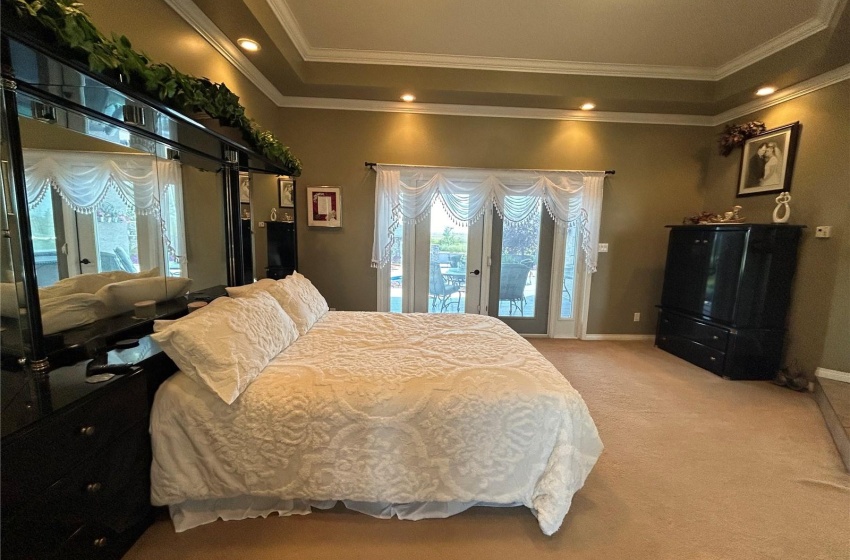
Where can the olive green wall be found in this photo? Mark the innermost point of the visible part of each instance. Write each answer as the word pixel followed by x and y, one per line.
pixel 657 183
pixel 819 331
pixel 155 29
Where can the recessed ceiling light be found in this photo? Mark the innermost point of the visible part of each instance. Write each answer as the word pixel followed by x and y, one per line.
pixel 408 97
pixel 249 45
pixel 766 90
pixel 588 106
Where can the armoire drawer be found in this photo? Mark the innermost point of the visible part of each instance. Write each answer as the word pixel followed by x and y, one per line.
pixel 685 327
pixel 707 358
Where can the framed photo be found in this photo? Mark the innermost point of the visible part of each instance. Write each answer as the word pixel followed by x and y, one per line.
pixel 768 161
pixel 286 192
pixel 324 206
pixel 244 188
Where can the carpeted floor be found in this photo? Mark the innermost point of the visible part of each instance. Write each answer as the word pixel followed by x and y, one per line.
pixel 694 467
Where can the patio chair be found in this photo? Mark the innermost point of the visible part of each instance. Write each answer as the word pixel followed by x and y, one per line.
pixel 441 290
pixel 512 285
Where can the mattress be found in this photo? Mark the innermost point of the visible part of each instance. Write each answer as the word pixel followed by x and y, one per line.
pixel 389 412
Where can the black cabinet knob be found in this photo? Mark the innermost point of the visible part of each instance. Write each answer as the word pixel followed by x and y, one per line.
pixel 93 487
pixel 87 431
pixel 100 542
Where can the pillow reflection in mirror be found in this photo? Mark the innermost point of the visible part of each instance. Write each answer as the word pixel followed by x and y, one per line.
pixel 120 297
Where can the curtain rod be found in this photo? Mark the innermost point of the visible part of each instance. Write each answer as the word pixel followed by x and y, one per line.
pixel 372 164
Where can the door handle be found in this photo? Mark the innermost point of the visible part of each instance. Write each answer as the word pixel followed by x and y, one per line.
pixel 475 272
pixel 85 261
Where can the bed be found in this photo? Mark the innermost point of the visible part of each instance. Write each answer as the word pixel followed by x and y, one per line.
pixel 413 415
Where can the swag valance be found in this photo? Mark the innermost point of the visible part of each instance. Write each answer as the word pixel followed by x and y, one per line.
pixel 404 194
pixel 83 179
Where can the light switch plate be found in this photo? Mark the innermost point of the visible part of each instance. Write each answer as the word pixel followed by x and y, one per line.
pixel 603 247
pixel 262 224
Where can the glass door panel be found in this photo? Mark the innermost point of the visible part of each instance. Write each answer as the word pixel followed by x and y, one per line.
pixel 521 257
pixel 448 248
pixel 568 285
pixel 397 275
pixel 443 260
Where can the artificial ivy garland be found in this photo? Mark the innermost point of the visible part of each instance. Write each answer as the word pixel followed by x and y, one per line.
pixel 71 29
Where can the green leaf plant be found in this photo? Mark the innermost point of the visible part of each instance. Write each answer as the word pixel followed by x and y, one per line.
pixel 69 27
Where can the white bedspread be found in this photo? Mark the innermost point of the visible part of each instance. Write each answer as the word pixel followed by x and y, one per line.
pixel 383 408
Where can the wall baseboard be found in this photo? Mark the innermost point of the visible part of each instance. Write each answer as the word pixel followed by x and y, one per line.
pixel 619 337
pixel 833 374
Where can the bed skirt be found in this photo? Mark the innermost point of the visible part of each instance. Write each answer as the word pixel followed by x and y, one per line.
pixel 192 513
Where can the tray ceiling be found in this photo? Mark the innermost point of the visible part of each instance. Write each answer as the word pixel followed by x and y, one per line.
pixel 651 56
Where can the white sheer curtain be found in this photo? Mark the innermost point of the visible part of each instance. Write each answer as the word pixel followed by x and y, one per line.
pixel 83 179
pixel 404 194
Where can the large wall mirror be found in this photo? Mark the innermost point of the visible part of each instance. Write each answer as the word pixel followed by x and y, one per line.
pixel 122 226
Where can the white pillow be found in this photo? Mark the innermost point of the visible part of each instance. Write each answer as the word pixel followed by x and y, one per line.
pixel 301 301
pixel 121 296
pixel 315 301
pixel 66 312
pixel 226 346
pixel 247 289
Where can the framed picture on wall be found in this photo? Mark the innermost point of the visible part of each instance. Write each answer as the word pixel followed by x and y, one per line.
pixel 244 188
pixel 324 206
pixel 286 192
pixel 768 161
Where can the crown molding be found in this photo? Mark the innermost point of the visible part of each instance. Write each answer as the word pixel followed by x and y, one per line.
pixel 284 15
pixel 827 11
pixel 534 66
pixel 493 111
pixel 797 90
pixel 205 27
pixel 821 20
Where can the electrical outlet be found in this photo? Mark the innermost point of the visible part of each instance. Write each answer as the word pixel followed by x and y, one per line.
pixel 823 231
pixel 637 317
pixel 603 247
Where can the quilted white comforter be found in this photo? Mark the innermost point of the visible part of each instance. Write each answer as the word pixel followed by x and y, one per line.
pixel 384 408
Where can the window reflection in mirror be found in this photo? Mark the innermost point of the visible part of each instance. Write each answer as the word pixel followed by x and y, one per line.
pixel 122 227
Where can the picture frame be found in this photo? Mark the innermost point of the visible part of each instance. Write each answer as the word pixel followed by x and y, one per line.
pixel 244 188
pixel 324 207
pixel 767 161
pixel 286 192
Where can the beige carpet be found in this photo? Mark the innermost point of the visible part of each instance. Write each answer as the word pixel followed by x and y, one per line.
pixel 694 467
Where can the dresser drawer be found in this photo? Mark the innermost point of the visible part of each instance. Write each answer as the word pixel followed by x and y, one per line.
pixel 707 358
pixel 55 446
pixel 685 327
pixel 109 489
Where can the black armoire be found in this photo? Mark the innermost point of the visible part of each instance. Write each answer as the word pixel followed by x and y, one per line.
pixel 726 294
pixel 282 249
